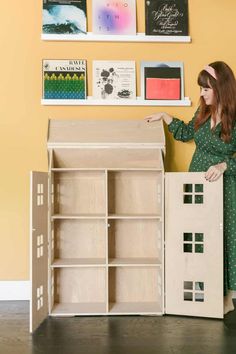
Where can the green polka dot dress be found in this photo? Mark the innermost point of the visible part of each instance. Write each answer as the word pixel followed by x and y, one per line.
pixel 211 150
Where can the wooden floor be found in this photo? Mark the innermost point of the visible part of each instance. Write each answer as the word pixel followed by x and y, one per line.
pixel 112 335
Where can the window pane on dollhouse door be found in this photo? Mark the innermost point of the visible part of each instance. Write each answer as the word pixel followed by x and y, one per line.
pixel 194 245
pixel 38 248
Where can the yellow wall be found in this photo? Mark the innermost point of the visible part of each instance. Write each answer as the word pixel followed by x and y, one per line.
pixel 23 122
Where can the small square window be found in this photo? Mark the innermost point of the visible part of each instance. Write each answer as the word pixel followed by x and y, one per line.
pixel 199 285
pixel 188 236
pixel 198 248
pixel 188 247
pixel 194 291
pixel 188 199
pixel 188 296
pixel 198 188
pixel 199 297
pixel 188 188
pixel 198 199
pixel 198 237
pixel 188 285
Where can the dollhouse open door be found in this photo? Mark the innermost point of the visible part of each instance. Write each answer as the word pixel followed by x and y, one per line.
pixel 38 248
pixel 193 245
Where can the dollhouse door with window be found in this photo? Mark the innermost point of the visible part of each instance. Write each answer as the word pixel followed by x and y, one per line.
pixel 38 248
pixel 193 245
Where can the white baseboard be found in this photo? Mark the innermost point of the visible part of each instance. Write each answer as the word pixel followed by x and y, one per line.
pixel 14 290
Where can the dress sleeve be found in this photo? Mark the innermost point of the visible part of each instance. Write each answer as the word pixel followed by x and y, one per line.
pixel 182 131
pixel 231 160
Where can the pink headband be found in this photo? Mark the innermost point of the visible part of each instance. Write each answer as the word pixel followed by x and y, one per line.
pixel 211 71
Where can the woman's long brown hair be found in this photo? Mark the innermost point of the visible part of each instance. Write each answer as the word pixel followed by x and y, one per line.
pixel 224 89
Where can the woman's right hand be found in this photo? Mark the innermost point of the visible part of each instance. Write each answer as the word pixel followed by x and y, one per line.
pixel 159 116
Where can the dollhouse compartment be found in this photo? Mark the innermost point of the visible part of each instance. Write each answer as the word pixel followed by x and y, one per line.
pixel 78 290
pixel 79 193
pixel 134 241
pixel 135 290
pixel 129 191
pixel 79 242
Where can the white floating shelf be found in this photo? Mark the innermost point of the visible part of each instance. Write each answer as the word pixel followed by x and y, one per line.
pixel 119 102
pixel 139 37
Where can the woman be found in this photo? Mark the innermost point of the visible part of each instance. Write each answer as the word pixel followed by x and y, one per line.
pixel 213 129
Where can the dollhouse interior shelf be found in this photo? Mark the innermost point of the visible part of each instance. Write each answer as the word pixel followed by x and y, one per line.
pixel 113 262
pixel 139 37
pixel 113 216
pixel 65 309
pixel 95 102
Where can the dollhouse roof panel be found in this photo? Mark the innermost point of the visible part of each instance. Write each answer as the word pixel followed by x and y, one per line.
pixel 105 132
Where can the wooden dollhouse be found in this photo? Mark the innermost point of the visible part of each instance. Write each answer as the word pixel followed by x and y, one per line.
pixel 113 234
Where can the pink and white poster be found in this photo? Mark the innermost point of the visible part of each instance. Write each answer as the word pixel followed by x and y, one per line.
pixel 114 17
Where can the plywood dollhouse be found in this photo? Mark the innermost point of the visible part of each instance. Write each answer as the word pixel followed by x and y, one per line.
pixel 113 234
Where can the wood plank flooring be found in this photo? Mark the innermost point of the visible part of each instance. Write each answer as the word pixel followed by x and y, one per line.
pixel 114 335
